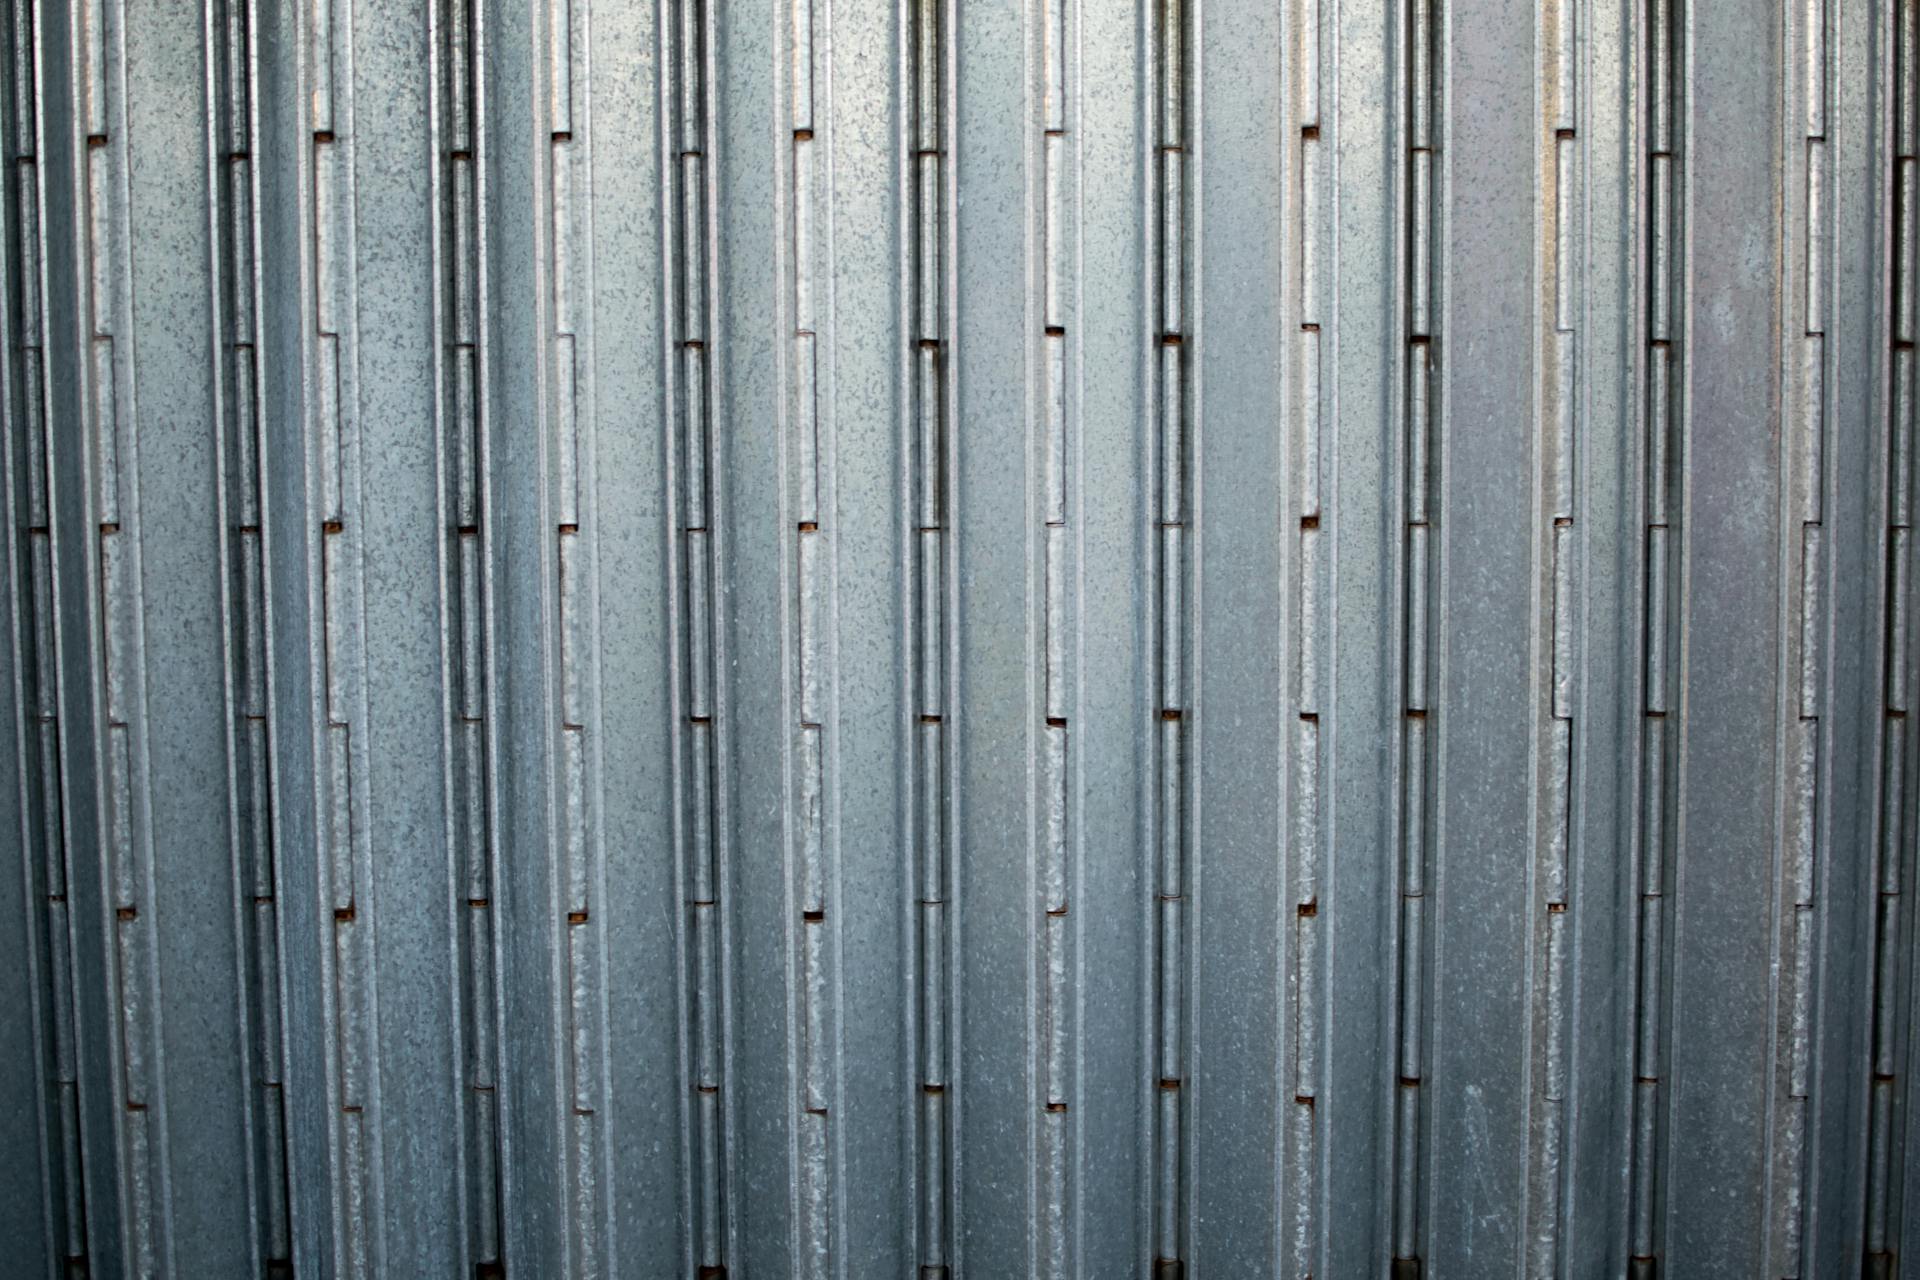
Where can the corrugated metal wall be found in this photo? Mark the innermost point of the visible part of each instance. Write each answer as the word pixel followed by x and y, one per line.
pixel 935 639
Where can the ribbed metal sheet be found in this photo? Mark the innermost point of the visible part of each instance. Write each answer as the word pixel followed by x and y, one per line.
pixel 1199 638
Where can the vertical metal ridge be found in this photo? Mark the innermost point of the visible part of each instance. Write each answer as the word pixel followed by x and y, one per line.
pixel 1805 593
pixel 45 855
pixel 236 308
pixel 1049 321
pixel 1420 431
pixel 1661 418
pixel 119 738
pixel 930 645
pixel 466 604
pixel 32 1205
pixel 1170 631
pixel 1883 1224
pixel 28 1006
pixel 568 566
pixel 812 777
pixel 335 551
pixel 1560 545
pixel 701 718
pixel 1306 831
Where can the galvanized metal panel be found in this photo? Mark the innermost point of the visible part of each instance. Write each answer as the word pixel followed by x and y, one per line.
pixel 1201 638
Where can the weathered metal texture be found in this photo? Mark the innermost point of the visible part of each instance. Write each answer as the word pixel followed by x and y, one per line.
pixel 1197 638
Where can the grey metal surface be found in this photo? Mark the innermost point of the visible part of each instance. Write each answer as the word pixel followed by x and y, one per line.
pixel 1200 638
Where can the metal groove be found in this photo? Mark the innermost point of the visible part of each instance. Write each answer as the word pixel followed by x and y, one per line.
pixel 1884 1178
pixel 47 872
pixel 1421 449
pixel 1307 827
pixel 697 560
pixel 571 524
pixel 1560 548
pixel 1173 517
pixel 247 623
pixel 119 739
pixel 929 246
pixel 1662 416
pixel 810 906
pixel 45 866
pixel 568 563
pixel 1059 962
pixel 334 546
pixel 466 595
pixel 1806 571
